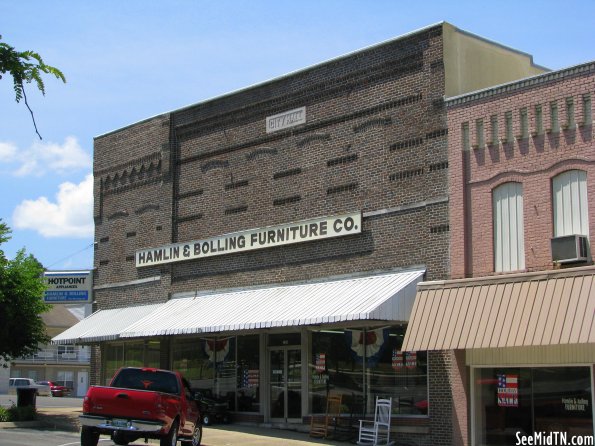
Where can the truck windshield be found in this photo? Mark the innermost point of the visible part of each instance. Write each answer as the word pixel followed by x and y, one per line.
pixel 156 381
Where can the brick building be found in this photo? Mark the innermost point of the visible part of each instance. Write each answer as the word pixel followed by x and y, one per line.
pixel 520 318
pixel 268 242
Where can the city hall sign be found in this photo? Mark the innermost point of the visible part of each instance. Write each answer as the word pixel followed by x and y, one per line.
pixel 268 237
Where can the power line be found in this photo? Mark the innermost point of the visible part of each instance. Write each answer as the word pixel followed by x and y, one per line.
pixel 71 255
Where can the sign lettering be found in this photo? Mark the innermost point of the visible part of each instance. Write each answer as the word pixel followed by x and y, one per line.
pixel 285 120
pixel 285 234
pixel 68 286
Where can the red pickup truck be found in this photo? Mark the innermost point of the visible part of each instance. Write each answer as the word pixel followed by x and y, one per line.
pixel 142 403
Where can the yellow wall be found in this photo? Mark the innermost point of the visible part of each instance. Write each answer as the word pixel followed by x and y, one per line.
pixel 473 63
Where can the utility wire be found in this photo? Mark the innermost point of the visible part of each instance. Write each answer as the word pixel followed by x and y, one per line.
pixel 71 255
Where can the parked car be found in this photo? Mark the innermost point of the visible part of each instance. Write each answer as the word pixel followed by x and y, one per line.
pixel 142 403
pixel 55 388
pixel 15 383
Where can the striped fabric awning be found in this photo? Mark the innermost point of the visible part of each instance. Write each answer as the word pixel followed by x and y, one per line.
pixel 381 297
pixel 103 325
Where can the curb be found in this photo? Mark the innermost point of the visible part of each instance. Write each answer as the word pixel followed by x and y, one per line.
pixel 21 424
pixel 50 419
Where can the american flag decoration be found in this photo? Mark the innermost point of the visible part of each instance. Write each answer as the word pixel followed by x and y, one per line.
pixel 397 359
pixel 320 362
pixel 249 378
pixel 508 390
pixel 411 360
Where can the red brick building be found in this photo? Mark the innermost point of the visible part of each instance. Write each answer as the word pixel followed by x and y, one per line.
pixel 520 320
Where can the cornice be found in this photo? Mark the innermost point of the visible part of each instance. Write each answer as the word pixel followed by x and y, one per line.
pixel 541 79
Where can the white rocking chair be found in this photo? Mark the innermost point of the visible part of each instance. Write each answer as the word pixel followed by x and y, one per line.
pixel 377 432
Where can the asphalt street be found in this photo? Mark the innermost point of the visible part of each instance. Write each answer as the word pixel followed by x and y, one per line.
pixel 57 425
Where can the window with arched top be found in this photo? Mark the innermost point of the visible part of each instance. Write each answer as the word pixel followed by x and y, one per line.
pixel 509 240
pixel 569 197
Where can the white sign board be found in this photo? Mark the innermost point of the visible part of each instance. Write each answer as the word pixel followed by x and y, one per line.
pixel 68 286
pixel 286 119
pixel 285 234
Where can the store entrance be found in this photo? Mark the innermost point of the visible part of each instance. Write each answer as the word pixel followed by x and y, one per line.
pixel 286 383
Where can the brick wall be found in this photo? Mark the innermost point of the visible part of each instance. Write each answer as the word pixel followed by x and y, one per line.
pixel 441 398
pixel 532 160
pixel 375 140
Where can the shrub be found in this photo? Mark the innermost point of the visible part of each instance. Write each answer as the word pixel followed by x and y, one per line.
pixel 14 413
pixel 27 413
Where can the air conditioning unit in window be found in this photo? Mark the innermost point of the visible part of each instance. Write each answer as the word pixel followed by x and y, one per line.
pixel 569 248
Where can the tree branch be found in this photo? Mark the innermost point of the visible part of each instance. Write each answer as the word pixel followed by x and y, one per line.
pixel 30 111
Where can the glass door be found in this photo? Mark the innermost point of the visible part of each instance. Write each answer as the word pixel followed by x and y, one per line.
pixel 286 383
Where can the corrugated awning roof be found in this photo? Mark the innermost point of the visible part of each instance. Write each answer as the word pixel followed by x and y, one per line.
pixel 385 297
pixel 103 325
pixel 545 308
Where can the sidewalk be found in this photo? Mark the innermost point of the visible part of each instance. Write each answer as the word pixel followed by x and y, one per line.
pixel 234 435
pixel 66 419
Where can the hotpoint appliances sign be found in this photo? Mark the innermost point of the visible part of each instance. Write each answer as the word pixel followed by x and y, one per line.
pixel 68 286
pixel 284 234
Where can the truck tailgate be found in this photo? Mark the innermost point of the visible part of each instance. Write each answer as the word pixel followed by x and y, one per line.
pixel 127 403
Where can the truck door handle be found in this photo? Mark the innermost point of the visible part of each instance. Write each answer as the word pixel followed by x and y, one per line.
pixel 122 395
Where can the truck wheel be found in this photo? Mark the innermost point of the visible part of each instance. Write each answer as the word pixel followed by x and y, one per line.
pixel 89 437
pixel 120 439
pixel 206 420
pixel 172 436
pixel 196 437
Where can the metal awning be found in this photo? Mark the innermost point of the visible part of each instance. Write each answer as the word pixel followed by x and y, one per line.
pixel 384 297
pixel 103 325
pixel 544 308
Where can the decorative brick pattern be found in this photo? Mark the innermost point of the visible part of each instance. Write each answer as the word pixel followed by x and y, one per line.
pixel 369 115
pixel 532 160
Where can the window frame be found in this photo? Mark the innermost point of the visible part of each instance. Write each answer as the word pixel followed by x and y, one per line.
pixel 508 227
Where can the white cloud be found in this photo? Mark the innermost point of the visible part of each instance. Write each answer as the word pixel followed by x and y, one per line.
pixel 71 215
pixel 42 157
pixel 8 152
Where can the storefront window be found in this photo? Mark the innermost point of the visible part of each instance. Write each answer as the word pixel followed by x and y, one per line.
pixel 153 354
pixel 521 401
pixel 503 405
pixel 210 366
pixel 340 357
pixel 334 368
pixel 393 373
pixel 190 359
pixel 248 373
pixel 114 359
pixel 133 353
pixel 222 354
pixel 130 354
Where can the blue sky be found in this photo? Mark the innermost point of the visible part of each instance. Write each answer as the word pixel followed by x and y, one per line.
pixel 129 60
